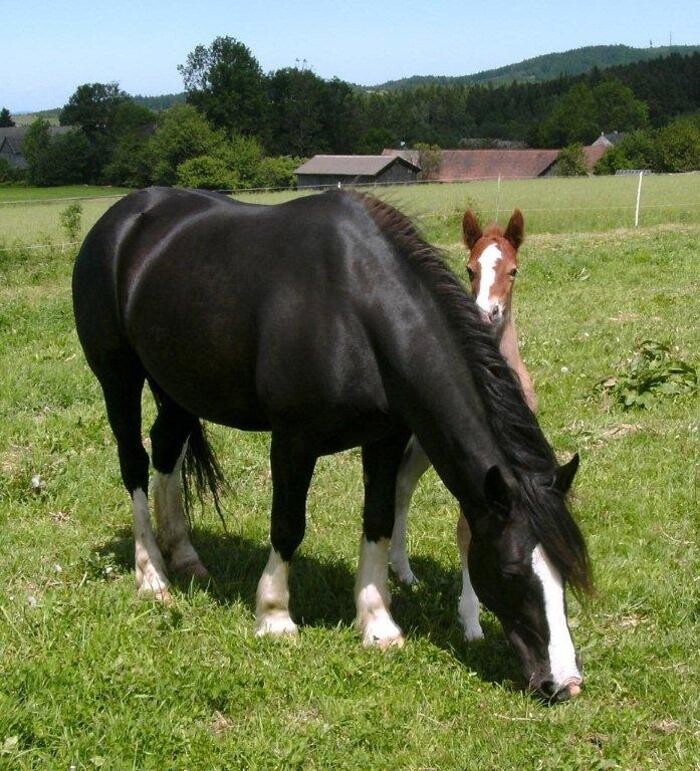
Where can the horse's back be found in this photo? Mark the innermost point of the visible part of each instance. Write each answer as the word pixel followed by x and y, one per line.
pixel 237 310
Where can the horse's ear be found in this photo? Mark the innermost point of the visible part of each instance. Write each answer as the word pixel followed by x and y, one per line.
pixel 564 475
pixel 496 490
pixel 470 229
pixel 515 232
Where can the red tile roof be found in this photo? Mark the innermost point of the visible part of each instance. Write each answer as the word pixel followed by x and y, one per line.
pixel 458 165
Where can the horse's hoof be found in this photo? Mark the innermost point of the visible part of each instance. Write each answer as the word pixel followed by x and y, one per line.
pixel 192 571
pixel 161 595
pixel 276 625
pixel 473 633
pixel 405 575
pixel 382 633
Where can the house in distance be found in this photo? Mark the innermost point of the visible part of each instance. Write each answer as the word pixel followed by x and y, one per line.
pixel 335 170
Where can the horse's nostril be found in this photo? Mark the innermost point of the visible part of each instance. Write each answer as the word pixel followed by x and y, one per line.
pixel 546 687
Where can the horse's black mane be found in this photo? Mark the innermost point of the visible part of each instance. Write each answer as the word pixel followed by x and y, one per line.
pixel 520 438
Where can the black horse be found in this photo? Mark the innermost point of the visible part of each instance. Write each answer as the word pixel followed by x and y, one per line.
pixel 329 322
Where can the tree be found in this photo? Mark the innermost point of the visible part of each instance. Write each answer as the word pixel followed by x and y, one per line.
pixel 429 160
pixel 297 99
pixel 226 83
pixel 637 150
pixel 182 133
pixel 6 119
pixel 574 118
pixel 678 146
pixel 617 107
pixel 92 107
pixel 571 162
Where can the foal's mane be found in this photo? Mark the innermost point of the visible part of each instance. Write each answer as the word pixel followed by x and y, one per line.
pixel 514 426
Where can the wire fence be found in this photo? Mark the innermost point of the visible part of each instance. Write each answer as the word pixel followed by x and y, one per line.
pixel 550 204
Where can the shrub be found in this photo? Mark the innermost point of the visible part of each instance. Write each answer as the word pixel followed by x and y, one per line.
pixel 70 220
pixel 678 146
pixel 571 161
pixel 277 172
pixel 8 173
pixel 208 173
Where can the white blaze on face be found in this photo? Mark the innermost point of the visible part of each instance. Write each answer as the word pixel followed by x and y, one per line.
pixel 562 657
pixel 488 261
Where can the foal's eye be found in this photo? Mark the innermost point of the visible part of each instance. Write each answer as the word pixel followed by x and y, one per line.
pixel 514 273
pixel 470 272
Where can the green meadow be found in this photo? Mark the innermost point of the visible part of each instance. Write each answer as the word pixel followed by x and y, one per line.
pixel 93 677
pixel 552 205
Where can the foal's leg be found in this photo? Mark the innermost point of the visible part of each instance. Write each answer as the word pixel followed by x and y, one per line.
pixel 122 385
pixel 292 466
pixel 380 463
pixel 169 443
pixel 468 601
pixel 413 465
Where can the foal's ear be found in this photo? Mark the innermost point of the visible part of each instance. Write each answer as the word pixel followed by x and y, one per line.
pixel 496 490
pixel 470 229
pixel 515 232
pixel 564 475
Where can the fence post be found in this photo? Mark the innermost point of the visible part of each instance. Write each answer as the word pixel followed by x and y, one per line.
pixel 639 198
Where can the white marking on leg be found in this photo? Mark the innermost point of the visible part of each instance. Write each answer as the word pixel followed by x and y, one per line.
pixel 150 568
pixel 173 531
pixel 272 599
pixel 562 657
pixel 488 260
pixel 468 607
pixel 414 464
pixel 372 596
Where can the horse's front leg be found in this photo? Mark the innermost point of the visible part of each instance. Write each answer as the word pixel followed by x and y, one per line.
pixel 292 465
pixel 468 601
pixel 413 465
pixel 380 462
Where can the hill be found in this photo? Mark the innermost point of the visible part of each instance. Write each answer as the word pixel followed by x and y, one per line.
pixel 546 67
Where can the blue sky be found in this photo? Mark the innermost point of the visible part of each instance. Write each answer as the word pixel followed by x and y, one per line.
pixel 49 48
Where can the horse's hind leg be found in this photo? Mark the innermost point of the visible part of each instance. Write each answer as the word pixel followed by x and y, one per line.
pixel 169 436
pixel 122 382
pixel 413 465
pixel 380 462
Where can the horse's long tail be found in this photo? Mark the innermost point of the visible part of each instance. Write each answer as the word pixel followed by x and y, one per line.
pixel 201 472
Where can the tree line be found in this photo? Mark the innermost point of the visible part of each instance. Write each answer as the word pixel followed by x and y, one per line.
pixel 241 127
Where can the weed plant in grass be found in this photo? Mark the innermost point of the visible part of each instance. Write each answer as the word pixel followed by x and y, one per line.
pixel 91 676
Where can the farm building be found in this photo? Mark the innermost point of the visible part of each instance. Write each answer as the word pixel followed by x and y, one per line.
pixel 12 141
pixel 465 165
pixel 325 170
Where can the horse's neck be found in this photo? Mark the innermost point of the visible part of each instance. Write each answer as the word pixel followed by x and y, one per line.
pixel 510 351
pixel 446 412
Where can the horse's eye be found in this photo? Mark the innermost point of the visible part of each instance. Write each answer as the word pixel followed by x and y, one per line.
pixel 470 272
pixel 514 272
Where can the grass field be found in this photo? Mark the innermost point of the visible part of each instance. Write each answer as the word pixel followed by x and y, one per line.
pixel 92 677
pixel 551 205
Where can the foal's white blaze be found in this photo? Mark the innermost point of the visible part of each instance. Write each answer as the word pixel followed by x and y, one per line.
pixel 272 599
pixel 173 532
pixel 150 568
pixel 372 596
pixel 488 261
pixel 562 657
